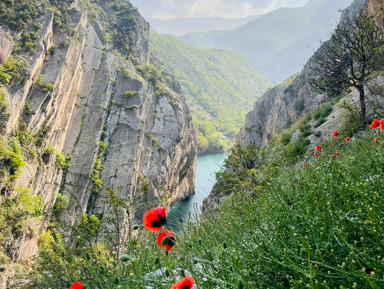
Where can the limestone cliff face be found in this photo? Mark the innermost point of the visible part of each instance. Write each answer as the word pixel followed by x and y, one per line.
pixel 100 101
pixel 282 105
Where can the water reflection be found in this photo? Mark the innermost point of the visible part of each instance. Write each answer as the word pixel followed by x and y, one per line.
pixel 190 208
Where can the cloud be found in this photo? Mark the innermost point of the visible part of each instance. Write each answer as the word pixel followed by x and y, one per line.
pixel 158 14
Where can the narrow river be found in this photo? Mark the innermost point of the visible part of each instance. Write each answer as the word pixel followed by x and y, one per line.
pixel 207 166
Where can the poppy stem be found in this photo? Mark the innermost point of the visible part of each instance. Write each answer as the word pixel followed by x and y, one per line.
pixel 158 254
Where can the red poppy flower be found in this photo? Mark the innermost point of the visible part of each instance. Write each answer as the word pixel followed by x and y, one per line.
pixel 382 124
pixel 77 285
pixel 347 139
pixel 185 283
pixel 337 153
pixel 334 156
pixel 335 134
pixel 154 219
pixel 304 165
pixel 376 139
pixel 318 148
pixel 375 123
pixel 166 239
pixel 294 181
pixel 315 153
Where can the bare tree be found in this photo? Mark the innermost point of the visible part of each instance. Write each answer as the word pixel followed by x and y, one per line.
pixel 349 59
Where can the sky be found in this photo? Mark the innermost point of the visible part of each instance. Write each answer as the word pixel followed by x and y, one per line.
pixel 170 9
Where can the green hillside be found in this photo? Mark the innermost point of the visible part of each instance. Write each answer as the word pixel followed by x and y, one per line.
pixel 220 86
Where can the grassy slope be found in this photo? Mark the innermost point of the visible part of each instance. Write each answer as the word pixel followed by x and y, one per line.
pixel 220 86
pixel 324 231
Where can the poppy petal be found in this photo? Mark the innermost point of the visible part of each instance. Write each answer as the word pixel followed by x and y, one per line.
pixel 335 134
pixel 382 124
pixel 185 283
pixel 375 123
pixel 166 239
pixel 154 219
pixel 77 285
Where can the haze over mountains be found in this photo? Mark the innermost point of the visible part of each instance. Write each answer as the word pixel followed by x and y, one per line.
pixel 279 42
pixel 181 26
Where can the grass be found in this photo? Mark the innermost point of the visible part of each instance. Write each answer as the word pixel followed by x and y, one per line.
pixel 315 227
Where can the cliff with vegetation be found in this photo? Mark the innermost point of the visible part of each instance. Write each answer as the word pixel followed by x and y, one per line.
pixel 284 104
pixel 91 125
pixel 220 86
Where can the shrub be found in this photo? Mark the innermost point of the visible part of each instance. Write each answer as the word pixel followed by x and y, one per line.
pixel 294 151
pixel 129 94
pixel 49 87
pixel 40 80
pixel 30 46
pixel 4 105
pixel 16 163
pixel 61 203
pixel 286 138
pixel 127 74
pixel 9 70
pixel 61 161
pixel 306 130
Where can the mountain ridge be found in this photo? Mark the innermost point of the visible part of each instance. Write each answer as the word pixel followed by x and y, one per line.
pixel 261 39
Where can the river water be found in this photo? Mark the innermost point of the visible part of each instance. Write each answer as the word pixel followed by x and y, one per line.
pixel 206 168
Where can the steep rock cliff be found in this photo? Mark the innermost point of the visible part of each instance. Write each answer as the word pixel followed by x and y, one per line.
pixel 121 121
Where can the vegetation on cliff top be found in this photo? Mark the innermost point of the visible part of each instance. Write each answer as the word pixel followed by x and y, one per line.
pixel 220 87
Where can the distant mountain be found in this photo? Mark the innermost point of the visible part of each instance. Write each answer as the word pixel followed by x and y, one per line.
pixel 181 26
pixel 220 87
pixel 278 41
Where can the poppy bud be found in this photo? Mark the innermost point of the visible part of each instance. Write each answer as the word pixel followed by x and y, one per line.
pixel 157 260
pixel 199 241
pixel 116 281
pixel 166 273
pixel 124 258
pixel 182 273
pixel 225 245
pixel 135 227
pixel 240 284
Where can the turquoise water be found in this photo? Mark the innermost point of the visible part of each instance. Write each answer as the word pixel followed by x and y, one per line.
pixel 206 168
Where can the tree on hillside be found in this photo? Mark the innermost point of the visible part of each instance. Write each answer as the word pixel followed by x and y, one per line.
pixel 349 59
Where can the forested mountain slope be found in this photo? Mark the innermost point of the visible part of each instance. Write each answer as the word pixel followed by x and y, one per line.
pixel 220 86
